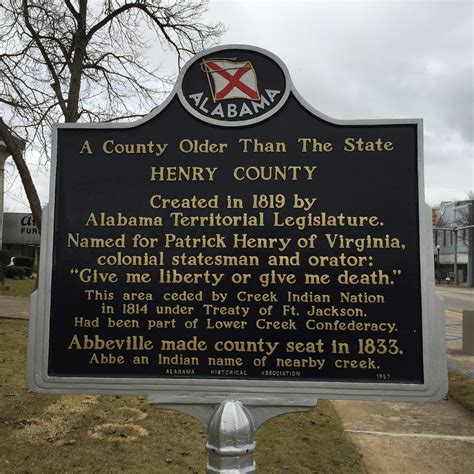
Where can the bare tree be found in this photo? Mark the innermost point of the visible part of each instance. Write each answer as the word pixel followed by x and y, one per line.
pixel 75 60
pixel 465 215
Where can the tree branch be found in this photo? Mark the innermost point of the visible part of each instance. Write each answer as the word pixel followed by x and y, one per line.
pixel 72 9
pixel 56 86
pixel 16 152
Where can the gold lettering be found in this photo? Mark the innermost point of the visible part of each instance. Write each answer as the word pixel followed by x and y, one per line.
pixel 86 148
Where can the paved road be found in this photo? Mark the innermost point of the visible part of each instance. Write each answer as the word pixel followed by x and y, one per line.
pixel 457 299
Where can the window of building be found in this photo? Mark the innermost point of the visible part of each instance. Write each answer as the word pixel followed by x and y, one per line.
pixel 444 238
pixel 436 237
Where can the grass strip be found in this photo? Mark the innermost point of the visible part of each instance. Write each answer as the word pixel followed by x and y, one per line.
pixel 461 389
pixel 51 433
pixel 18 287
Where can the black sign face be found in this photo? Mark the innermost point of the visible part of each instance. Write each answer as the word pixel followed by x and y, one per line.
pixel 281 247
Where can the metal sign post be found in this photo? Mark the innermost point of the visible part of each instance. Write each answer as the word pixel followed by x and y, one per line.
pixel 231 425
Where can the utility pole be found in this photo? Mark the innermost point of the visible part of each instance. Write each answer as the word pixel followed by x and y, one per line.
pixel 438 265
pixel 455 230
pixel 470 267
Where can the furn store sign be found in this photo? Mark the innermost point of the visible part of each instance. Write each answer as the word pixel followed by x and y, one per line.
pixel 19 228
pixel 238 242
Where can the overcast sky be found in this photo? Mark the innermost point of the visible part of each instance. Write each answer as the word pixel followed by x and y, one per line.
pixel 369 59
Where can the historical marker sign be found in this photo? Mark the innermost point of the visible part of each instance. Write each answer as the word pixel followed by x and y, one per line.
pixel 237 241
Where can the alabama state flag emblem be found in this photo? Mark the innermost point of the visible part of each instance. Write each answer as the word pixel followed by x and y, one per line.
pixel 230 79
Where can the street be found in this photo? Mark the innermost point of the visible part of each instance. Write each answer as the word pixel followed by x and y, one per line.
pixel 456 298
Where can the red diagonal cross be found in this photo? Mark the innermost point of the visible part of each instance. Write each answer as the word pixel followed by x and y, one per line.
pixel 233 80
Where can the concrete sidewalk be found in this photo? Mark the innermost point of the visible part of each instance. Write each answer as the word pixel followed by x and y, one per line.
pixel 431 438
pixel 14 307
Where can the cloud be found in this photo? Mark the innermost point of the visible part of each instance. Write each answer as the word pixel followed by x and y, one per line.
pixel 374 59
pixel 356 60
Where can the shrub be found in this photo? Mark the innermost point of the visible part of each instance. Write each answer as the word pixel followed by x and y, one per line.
pixel 28 271
pixel 5 257
pixel 23 261
pixel 13 271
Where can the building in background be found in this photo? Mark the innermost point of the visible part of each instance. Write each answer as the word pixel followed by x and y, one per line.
pixel 453 236
pixel 20 235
